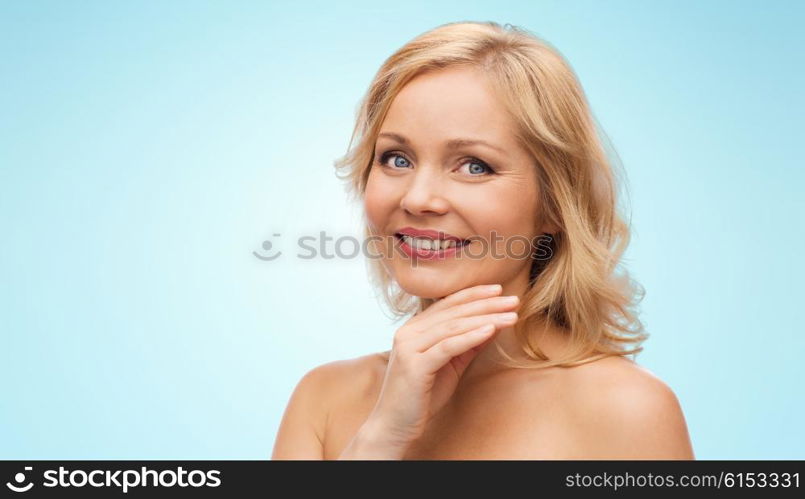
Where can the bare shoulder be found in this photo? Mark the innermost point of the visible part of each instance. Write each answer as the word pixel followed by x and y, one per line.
pixel 344 379
pixel 320 390
pixel 339 378
pixel 622 410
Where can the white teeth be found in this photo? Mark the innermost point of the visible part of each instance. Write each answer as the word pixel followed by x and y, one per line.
pixel 428 244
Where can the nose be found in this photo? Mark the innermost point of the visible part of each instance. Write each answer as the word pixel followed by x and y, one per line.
pixel 424 195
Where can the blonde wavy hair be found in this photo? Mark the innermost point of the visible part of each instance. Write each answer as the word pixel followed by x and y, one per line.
pixel 582 288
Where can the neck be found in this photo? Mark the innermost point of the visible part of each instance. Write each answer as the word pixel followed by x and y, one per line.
pixel 550 340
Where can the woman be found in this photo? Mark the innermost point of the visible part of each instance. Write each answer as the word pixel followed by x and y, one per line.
pixel 480 169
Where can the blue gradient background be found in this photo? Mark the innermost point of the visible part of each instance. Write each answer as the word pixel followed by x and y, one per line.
pixel 148 148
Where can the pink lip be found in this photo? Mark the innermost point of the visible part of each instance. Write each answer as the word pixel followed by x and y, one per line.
pixel 424 254
pixel 432 234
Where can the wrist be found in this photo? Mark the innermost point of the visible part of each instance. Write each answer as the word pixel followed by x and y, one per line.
pixel 373 441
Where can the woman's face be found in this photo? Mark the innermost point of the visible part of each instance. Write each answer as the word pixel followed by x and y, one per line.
pixel 484 193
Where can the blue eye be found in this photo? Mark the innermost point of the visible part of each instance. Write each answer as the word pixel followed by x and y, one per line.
pixel 479 165
pixel 385 156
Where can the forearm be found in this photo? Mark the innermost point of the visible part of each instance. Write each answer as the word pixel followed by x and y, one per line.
pixel 372 442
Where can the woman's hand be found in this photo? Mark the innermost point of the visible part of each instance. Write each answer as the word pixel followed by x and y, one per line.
pixel 430 353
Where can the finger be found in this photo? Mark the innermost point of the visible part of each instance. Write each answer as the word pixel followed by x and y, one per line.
pixel 466 295
pixel 441 353
pixel 482 306
pixel 457 327
pixel 478 307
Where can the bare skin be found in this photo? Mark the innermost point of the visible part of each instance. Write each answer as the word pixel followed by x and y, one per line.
pixel 607 409
pixel 440 393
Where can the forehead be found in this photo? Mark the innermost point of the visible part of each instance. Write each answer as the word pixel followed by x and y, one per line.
pixel 446 103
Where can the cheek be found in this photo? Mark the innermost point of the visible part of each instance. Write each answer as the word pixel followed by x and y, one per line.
pixel 521 202
pixel 378 200
pixel 507 208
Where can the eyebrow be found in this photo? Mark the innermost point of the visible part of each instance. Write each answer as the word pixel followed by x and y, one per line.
pixel 450 144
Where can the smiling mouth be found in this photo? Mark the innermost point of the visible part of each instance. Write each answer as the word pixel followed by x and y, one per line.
pixel 428 244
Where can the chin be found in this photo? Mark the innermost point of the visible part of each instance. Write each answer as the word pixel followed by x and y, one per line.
pixel 433 285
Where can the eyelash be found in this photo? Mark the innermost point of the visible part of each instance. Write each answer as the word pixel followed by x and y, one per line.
pixel 388 154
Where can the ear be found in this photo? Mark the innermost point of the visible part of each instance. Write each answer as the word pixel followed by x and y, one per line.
pixel 549 228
